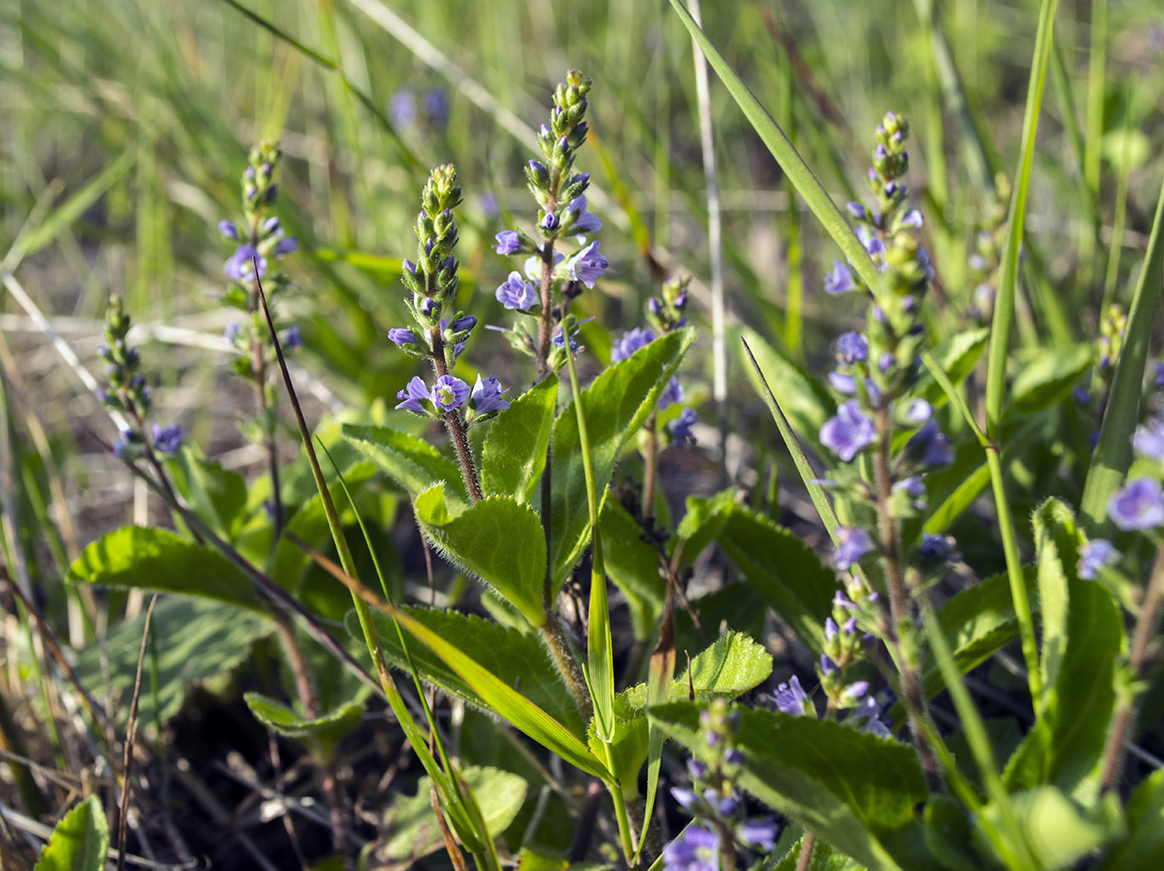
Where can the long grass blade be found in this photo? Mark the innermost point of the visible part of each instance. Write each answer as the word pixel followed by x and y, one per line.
pixel 1000 336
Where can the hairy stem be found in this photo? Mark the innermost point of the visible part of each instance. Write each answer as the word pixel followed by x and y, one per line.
pixel 911 685
pixel 567 664
pixel 1125 717
pixel 651 468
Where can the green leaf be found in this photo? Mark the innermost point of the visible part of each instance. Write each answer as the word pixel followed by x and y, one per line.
pixel 413 828
pixel 514 453
pixel 79 842
pixel 194 640
pixel 1058 831
pixel 412 463
pixel 949 836
pixel 217 495
pixel 733 665
pixel 1049 378
pixel 1143 849
pixel 957 356
pixel 498 539
pixel 504 699
pixel 803 399
pixel 1113 451
pixel 703 521
pixel 326 729
pixel 850 788
pixel 785 572
pixel 633 565
pixel 824 858
pixel 155 559
pixel 615 406
pixel 1084 634
pixel 518 659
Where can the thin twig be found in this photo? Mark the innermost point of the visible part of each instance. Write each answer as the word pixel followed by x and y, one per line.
pixel 131 734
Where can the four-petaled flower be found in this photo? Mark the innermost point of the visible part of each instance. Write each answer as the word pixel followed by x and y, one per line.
pixel 1149 440
pixel 1094 556
pixel 840 280
pixel 508 242
pixel 792 699
pixel 412 394
pixel 486 396
pixel 631 341
pixel 588 265
pixel 240 267
pixel 681 427
pixel 697 849
pixel 673 392
pixel 849 432
pixel 584 221
pixel 852 347
pixel 168 439
pixel 853 545
pixel 449 392
pixel 1138 505
pixel 517 294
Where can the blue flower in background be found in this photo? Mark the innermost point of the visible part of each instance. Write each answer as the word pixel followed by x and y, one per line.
pixel 792 699
pixel 840 280
pixel 1138 505
pixel 240 267
pixel 681 427
pixel 1094 556
pixel 849 432
pixel 168 439
pixel 853 545
pixel 697 849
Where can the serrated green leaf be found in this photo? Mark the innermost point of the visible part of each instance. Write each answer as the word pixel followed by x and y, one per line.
pixel 785 572
pixel 79 842
pixel 704 519
pixel 195 640
pixel 731 666
pixel 412 825
pixel 498 539
pixel 633 565
pixel 1049 378
pixel 217 495
pixel 156 559
pixel 325 729
pixel 514 453
pixel 1143 849
pixel 957 356
pixel 1087 634
pixel 515 658
pixel 824 858
pixel 615 406
pixel 803 399
pixel 850 788
pixel 412 463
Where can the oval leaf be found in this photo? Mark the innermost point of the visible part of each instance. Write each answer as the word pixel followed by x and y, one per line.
pixel 326 729
pixel 499 540
pixel 79 842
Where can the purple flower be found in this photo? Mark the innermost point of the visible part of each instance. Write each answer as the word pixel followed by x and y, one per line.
pixel 550 222
pixel 867 717
pixel 758 833
pixel 1159 379
pixel 460 325
pixel 412 394
pixel 934 547
pixel 931 446
pixel 673 392
pixel 681 428
pixel 852 348
pixel 486 396
pixel 231 332
pixel 873 245
pixel 1094 556
pixel 508 242
pixel 1139 505
pixel 913 218
pixel 792 699
pixel 286 245
pixel 853 545
pixel 401 336
pixel 168 439
pixel 1149 440
pixel 402 107
pixel 436 106
pixel 588 265
pixel 630 342
pixel 857 210
pixel 409 265
pixel 697 849
pixel 584 221
pixel 843 383
pixel 688 799
pixel 449 392
pixel 516 293
pixel 849 432
pixel 293 339
pixel 240 266
pixel 228 229
pixel 840 280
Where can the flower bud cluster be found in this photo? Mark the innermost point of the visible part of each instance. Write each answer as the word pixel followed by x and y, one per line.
pixel 562 211
pixel 433 282
pixel 986 251
pixel 262 240
pixel 720 823
pixel 128 391
pixel 876 369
